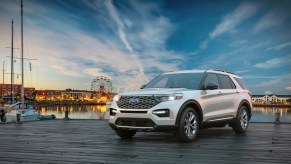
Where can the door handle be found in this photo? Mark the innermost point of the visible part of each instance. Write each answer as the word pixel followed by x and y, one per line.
pixel 220 93
pixel 237 92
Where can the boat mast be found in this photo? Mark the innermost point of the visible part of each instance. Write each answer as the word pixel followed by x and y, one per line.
pixel 3 78
pixel 22 79
pixel 3 71
pixel 12 67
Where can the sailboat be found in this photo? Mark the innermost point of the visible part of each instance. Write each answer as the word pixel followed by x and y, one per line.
pixel 26 111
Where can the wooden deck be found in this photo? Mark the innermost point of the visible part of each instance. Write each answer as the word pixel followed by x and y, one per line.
pixel 92 141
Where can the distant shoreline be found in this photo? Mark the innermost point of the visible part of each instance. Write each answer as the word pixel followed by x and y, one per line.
pixel 272 105
pixel 66 103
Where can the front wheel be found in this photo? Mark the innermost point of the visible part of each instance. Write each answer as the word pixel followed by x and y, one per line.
pixel 3 119
pixel 188 125
pixel 241 122
pixel 125 133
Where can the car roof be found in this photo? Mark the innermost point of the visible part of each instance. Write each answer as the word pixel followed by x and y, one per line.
pixel 202 71
pixel 186 71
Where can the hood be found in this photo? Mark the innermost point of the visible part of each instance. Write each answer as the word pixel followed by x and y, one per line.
pixel 153 91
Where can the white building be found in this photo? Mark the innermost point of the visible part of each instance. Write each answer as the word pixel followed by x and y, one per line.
pixel 76 95
pixel 271 98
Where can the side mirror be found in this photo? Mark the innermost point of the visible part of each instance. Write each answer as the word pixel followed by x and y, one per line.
pixel 142 87
pixel 211 86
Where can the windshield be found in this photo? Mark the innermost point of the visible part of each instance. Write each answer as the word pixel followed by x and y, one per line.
pixel 180 80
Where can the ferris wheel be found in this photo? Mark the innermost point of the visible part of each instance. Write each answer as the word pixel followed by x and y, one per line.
pixel 101 84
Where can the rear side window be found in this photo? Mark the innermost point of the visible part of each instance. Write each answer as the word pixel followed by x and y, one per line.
pixel 225 82
pixel 211 78
pixel 240 82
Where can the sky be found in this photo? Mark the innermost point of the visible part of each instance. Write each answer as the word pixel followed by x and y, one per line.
pixel 132 41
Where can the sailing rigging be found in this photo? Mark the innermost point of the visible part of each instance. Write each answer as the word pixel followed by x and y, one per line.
pixel 26 112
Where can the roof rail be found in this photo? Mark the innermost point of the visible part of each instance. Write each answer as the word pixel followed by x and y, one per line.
pixel 224 71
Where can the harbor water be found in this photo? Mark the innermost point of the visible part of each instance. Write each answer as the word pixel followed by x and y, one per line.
pixel 267 114
pixel 259 114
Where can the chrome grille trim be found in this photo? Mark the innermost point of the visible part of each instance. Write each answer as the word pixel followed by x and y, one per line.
pixel 144 102
pixel 132 127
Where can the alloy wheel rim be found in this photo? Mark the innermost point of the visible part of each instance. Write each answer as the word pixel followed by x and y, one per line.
pixel 244 119
pixel 190 125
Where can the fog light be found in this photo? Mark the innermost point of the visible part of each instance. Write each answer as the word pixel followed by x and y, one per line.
pixel 113 112
pixel 162 112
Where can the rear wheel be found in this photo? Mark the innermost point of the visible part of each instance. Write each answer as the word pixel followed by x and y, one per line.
pixel 241 122
pixel 125 133
pixel 188 125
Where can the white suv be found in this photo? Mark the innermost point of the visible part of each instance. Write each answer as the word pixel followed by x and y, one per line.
pixel 185 102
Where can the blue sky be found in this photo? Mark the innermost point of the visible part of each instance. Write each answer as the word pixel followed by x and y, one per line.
pixel 131 41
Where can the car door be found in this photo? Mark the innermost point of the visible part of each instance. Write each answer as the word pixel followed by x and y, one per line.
pixel 229 95
pixel 211 99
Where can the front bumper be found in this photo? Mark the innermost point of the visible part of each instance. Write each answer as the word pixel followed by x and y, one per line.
pixel 142 121
pixel 152 119
pixel 154 128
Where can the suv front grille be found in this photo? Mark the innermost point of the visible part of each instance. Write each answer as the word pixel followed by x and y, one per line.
pixel 135 122
pixel 141 102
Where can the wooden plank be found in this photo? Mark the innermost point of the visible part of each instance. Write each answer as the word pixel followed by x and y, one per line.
pixel 81 141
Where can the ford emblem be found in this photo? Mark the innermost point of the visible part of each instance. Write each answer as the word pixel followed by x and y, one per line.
pixel 133 101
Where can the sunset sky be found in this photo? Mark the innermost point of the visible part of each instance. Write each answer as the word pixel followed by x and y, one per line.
pixel 132 41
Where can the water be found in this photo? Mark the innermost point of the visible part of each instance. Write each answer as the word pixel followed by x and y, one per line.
pixel 260 114
pixel 78 112
pixel 267 114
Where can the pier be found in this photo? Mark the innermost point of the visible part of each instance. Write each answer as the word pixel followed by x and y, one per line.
pixel 92 141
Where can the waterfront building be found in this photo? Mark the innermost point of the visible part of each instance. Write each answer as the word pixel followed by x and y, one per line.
pixel 271 99
pixel 63 95
pixel 29 92
pixel 54 95
pixel 72 95
pixel 47 95
pixel 5 90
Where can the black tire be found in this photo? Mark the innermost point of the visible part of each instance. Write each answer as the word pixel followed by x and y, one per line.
pixel 125 133
pixel 188 128
pixel 3 119
pixel 241 122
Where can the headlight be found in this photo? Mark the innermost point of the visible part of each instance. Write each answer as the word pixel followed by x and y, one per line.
pixel 162 98
pixel 116 98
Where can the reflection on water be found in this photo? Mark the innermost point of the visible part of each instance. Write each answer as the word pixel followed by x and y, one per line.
pixel 77 112
pixel 267 114
pixel 260 114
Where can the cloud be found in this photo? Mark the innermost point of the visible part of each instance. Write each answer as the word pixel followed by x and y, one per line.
pixel 279 47
pixel 119 49
pixel 288 88
pixel 204 44
pixel 274 18
pixel 275 62
pixel 267 83
pixel 113 12
pixel 268 93
pixel 231 20
pixel 276 85
pixel 259 77
pixel 259 45
pixel 268 21
pixel 65 71
pixel 96 72
pixel 242 71
pixel 238 43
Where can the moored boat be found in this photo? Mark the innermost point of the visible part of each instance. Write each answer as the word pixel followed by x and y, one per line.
pixel 27 113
